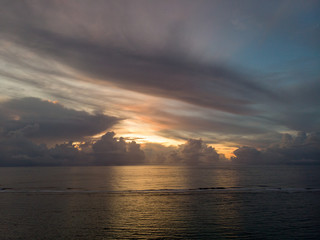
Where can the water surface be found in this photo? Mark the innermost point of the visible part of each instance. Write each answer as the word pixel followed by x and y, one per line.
pixel 160 202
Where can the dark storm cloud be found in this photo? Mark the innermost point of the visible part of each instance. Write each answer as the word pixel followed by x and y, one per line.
pixel 46 121
pixel 169 71
pixel 300 149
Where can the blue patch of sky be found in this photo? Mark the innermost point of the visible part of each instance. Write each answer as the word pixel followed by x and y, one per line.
pixel 274 54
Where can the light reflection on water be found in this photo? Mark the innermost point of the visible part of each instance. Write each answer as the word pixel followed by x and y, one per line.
pixel 143 178
pixel 150 202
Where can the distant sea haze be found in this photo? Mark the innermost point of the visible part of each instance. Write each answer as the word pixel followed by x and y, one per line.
pixel 160 202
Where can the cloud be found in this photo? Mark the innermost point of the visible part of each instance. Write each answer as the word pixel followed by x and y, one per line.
pixel 25 122
pixel 244 87
pixel 246 155
pixel 17 150
pixel 20 151
pixel 302 112
pixel 300 149
pixel 111 151
pixel 193 152
pixel 46 121
pixel 68 154
pixel 163 69
pixel 157 153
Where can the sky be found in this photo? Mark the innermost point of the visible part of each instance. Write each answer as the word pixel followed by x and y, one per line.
pixel 161 82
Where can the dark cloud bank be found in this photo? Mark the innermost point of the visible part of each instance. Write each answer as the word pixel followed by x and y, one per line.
pixel 300 149
pixel 45 121
pixel 28 123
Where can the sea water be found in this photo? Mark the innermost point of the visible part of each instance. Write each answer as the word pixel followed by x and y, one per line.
pixel 160 202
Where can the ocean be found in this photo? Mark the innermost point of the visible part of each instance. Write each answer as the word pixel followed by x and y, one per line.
pixel 160 202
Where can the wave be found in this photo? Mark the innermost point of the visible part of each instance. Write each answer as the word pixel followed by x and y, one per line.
pixel 261 188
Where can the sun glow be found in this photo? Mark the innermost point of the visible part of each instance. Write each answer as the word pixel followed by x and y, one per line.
pixel 54 102
pixel 223 149
pixel 142 139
